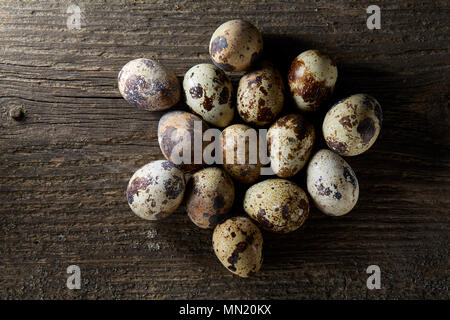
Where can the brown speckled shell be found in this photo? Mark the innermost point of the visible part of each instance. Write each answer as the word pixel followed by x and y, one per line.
pixel 312 77
pixel 235 45
pixel 148 85
pixel 174 130
pixel 230 139
pixel 332 183
pixel 290 140
pixel 156 190
pixel 208 92
pixel 278 205
pixel 260 96
pixel 209 196
pixel 238 245
pixel 352 125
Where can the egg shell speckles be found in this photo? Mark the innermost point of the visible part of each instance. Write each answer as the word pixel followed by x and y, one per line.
pixel 290 140
pixel 148 85
pixel 208 93
pixel 278 205
pixel 312 77
pixel 176 134
pixel 332 183
pixel 236 45
pixel 238 245
pixel 235 146
pixel 209 196
pixel 352 125
pixel 260 96
pixel 156 190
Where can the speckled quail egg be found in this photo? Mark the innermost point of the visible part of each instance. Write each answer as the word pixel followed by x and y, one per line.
pixel 240 153
pixel 209 196
pixel 208 93
pixel 180 137
pixel 278 205
pixel 260 96
pixel 156 190
pixel 238 245
pixel 236 45
pixel 290 140
pixel 148 85
pixel 312 78
pixel 352 125
pixel 331 183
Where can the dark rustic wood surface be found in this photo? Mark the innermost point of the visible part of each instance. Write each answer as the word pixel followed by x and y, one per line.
pixel 65 165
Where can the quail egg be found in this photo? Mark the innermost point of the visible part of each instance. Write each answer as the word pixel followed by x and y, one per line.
pixel 147 84
pixel 209 196
pixel 156 190
pixel 180 137
pixel 331 183
pixel 235 45
pixel 312 78
pixel 238 245
pixel 278 205
pixel 240 153
pixel 290 140
pixel 352 125
pixel 208 93
pixel 260 96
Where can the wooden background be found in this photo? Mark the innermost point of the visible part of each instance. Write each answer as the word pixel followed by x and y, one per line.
pixel 65 164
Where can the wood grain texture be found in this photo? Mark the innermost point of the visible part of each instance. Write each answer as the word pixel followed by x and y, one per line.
pixel 64 167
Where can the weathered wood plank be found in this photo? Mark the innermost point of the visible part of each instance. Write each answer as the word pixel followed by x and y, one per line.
pixel 65 166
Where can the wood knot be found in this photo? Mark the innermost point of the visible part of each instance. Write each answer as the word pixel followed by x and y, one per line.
pixel 17 113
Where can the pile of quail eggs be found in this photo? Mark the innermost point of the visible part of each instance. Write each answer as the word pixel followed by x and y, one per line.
pixel 279 205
